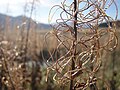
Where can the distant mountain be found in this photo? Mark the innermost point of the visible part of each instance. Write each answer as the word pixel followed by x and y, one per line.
pixel 103 25
pixel 21 21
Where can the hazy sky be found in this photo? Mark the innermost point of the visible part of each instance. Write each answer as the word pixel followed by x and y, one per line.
pixel 16 7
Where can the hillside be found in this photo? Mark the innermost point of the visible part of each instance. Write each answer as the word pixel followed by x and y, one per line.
pixel 12 22
pixel 21 21
pixel 103 25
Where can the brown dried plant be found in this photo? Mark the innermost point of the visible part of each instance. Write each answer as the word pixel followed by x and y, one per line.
pixel 82 57
pixel 11 70
pixel 14 73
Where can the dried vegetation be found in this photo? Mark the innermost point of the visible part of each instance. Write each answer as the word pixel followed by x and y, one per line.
pixel 80 57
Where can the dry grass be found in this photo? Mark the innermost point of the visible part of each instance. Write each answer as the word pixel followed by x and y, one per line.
pixel 78 57
pixel 11 44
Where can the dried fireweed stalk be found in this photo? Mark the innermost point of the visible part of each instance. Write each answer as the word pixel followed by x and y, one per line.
pixel 77 31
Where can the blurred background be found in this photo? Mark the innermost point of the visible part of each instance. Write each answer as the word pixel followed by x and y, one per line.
pixel 24 53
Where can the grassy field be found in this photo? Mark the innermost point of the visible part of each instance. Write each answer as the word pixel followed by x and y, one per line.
pixel 23 66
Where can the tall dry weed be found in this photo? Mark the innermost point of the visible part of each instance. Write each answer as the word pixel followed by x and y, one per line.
pixel 82 60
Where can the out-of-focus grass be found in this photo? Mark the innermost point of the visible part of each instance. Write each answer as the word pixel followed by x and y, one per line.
pixel 37 44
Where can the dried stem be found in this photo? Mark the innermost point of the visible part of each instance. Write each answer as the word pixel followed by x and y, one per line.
pixel 74 33
pixel 83 62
